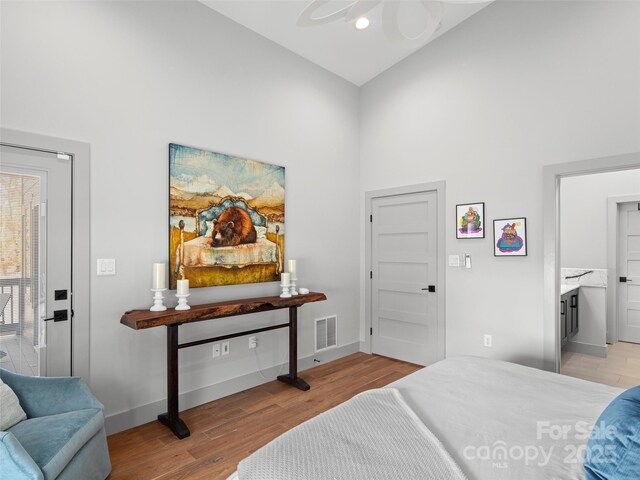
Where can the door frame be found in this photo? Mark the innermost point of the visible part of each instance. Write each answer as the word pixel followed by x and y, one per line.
pixel 440 188
pixel 551 216
pixel 613 224
pixel 79 153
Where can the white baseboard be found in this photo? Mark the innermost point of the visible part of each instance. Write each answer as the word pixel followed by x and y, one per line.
pixel 586 348
pixel 146 413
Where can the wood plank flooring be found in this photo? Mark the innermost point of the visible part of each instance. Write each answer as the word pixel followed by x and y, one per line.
pixel 225 431
pixel 620 369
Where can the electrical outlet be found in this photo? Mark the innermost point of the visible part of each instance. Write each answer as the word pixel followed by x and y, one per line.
pixel 253 342
pixel 216 350
pixel 488 341
pixel 225 348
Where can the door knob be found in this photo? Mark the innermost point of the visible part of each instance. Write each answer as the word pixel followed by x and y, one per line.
pixel 430 288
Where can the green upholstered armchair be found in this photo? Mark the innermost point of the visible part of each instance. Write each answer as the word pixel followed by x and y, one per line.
pixel 63 436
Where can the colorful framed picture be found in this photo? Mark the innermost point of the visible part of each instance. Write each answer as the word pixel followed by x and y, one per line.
pixel 226 218
pixel 470 221
pixel 510 237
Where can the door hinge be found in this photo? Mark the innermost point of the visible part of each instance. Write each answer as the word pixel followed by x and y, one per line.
pixel 371 274
pixel 371 218
pixel 371 331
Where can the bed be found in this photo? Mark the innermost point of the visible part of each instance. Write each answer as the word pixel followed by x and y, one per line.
pixel 496 420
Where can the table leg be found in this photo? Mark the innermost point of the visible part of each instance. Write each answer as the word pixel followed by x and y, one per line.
pixel 171 419
pixel 292 377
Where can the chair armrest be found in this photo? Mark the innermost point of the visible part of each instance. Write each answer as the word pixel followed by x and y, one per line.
pixel 15 461
pixel 41 396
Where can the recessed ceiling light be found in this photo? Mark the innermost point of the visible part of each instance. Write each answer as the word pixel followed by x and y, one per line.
pixel 362 23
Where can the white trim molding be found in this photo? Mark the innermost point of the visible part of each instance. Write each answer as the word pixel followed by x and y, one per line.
pixel 612 262
pixel 551 208
pixel 440 188
pixel 80 153
pixel 118 422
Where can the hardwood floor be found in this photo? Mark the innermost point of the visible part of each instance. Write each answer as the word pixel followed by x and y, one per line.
pixel 225 431
pixel 620 369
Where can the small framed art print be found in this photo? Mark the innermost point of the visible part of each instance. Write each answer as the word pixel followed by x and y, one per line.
pixel 510 237
pixel 470 220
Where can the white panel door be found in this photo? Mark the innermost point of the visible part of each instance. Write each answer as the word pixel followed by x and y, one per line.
pixel 404 269
pixel 36 207
pixel 629 271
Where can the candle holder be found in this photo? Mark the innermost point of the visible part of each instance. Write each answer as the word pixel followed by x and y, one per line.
pixel 182 302
pixel 158 306
pixel 293 286
pixel 285 291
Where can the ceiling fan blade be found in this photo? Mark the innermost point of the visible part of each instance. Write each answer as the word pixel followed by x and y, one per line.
pixel 305 19
pixel 392 29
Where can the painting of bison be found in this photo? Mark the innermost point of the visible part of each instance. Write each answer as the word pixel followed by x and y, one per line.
pixel 226 218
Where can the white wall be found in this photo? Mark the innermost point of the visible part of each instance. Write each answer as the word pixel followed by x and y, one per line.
pixel 517 86
pixel 130 77
pixel 583 215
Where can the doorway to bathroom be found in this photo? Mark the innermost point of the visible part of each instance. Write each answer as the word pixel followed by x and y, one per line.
pixel 599 342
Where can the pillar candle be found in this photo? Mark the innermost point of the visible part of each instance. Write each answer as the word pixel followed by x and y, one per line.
pixel 292 268
pixel 286 278
pixel 159 275
pixel 183 287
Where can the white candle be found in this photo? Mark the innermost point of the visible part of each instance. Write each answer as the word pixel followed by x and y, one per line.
pixel 159 275
pixel 292 268
pixel 286 278
pixel 183 287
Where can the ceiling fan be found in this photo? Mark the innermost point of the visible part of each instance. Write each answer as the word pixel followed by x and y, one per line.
pixel 356 10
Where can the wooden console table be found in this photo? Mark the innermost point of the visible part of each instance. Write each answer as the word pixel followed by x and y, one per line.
pixel 172 319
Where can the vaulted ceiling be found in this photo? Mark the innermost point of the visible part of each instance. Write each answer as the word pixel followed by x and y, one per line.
pixel 397 29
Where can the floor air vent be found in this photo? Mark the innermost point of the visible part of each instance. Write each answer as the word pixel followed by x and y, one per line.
pixel 326 332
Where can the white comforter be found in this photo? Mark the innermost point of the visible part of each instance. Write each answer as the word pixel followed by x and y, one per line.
pixel 374 435
pixel 503 421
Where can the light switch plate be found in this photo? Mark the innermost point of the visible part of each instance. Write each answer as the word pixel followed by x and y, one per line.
pixel 106 266
pixel 454 260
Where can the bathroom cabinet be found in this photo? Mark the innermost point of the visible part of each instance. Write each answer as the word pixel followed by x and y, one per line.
pixel 569 315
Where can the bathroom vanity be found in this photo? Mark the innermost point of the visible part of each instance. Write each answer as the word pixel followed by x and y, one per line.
pixel 569 316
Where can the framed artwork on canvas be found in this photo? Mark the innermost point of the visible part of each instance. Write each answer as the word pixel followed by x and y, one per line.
pixel 226 218
pixel 510 237
pixel 470 220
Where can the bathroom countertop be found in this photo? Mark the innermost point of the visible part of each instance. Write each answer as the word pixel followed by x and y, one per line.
pixel 568 288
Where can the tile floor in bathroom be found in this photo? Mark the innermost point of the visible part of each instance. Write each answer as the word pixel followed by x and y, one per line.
pixel 620 369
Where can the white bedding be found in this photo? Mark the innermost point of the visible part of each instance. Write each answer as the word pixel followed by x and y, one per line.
pixel 502 421
pixel 476 406
pixel 344 444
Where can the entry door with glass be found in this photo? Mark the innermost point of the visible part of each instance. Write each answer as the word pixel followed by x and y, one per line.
pixel 35 262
